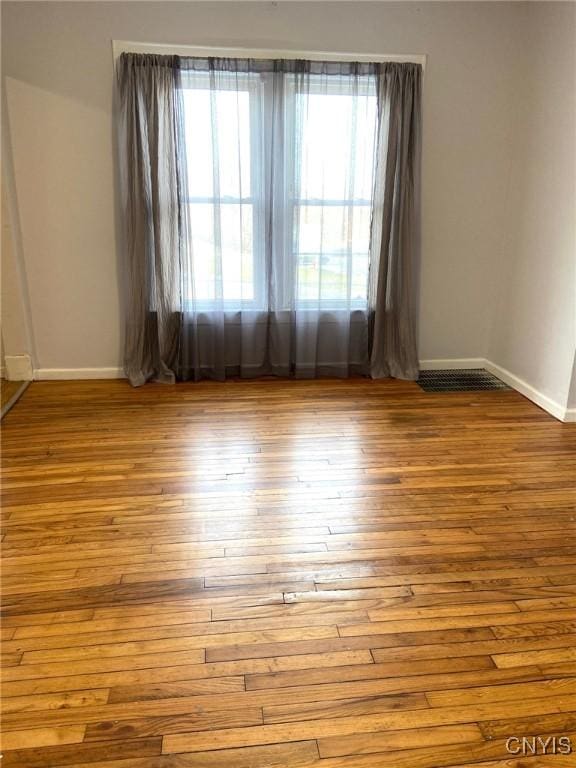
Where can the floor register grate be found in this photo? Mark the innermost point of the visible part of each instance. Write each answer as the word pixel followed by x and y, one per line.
pixel 467 380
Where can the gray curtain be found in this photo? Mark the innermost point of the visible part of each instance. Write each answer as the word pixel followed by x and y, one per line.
pixel 150 155
pixel 395 242
pixel 258 238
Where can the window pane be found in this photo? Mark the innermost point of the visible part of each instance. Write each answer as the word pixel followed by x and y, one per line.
pixel 335 145
pixel 237 252
pixel 219 132
pixel 217 128
pixel 333 252
pixel 202 283
pixel 333 228
pixel 222 246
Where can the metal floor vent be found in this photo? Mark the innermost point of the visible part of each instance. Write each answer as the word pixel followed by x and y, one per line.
pixel 459 381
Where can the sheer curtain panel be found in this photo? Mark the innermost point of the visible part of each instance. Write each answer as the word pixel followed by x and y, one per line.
pixel 258 220
pixel 395 248
pixel 151 157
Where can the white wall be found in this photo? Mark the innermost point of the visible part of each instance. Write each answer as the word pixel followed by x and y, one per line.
pixel 534 331
pixel 58 74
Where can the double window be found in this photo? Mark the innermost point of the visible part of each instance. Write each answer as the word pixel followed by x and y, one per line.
pixel 280 179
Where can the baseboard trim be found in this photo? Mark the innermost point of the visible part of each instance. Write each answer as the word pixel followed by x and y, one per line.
pixel 55 374
pixel 454 364
pixel 73 374
pixel 545 402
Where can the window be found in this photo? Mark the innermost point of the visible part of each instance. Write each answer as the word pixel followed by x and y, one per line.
pixel 323 166
pixel 224 195
pixel 333 191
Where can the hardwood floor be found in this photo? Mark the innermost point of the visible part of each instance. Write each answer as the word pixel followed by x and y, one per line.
pixel 7 390
pixel 337 574
pixel 9 394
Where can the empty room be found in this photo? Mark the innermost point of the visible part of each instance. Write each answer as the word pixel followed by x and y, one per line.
pixel 288 384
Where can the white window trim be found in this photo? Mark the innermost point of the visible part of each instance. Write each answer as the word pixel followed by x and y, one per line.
pixel 127 46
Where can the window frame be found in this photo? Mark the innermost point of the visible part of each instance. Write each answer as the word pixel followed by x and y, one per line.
pixel 259 207
pixel 254 88
pixel 367 87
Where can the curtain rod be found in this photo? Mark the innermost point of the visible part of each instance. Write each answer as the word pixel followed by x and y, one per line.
pixel 126 46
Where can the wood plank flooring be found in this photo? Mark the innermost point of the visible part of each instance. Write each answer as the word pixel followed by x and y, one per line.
pixel 326 574
pixel 10 391
pixel 7 390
